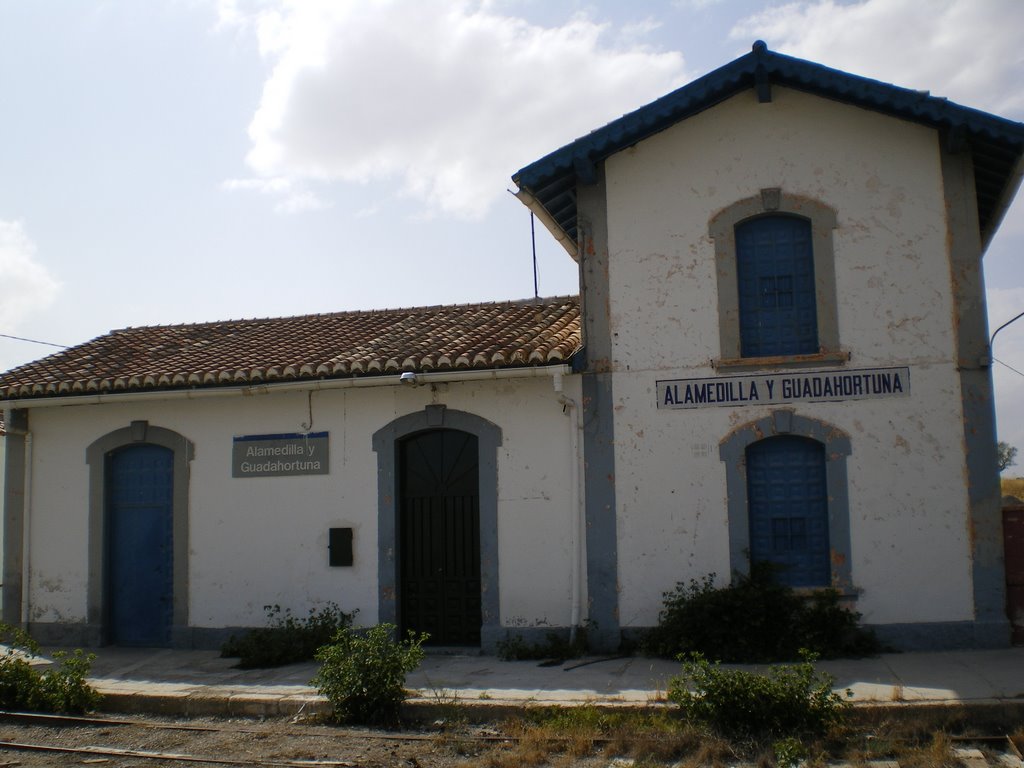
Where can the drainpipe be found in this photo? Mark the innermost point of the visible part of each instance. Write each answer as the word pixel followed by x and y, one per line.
pixel 26 540
pixel 575 426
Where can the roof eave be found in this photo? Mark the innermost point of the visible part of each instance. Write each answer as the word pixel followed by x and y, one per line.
pixel 561 236
pixel 758 69
pixel 1009 192
pixel 563 367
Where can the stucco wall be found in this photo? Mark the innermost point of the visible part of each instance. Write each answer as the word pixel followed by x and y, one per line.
pixel 907 499
pixel 259 541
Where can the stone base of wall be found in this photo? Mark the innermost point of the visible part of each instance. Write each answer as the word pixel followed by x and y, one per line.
pixel 66 635
pixel 932 636
pixel 944 635
pixel 83 635
pixel 929 636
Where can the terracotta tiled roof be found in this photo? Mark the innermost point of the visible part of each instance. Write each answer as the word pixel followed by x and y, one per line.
pixel 343 344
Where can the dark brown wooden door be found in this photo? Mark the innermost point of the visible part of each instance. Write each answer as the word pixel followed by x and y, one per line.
pixel 439 537
pixel 1013 541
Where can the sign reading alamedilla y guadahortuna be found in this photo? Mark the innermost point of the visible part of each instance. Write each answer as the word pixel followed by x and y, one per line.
pixel 280 455
pixel 802 387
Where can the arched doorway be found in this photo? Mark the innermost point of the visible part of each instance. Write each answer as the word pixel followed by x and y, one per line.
pixel 439 536
pixel 139 546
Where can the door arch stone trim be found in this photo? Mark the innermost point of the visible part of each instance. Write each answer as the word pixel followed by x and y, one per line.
pixel 385 444
pixel 732 451
pixel 183 450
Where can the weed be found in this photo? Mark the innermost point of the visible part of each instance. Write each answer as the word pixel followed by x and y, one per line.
pixel 61 688
pixel 788 752
pixel 539 741
pixel 556 647
pixel 791 699
pixel 938 753
pixel 549 736
pixel 286 639
pixel 64 688
pixel 446 709
pixel 363 673
pixel 755 620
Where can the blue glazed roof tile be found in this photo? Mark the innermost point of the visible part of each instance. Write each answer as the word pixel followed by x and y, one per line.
pixel 997 143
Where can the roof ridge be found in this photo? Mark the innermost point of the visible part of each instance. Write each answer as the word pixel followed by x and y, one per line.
pixel 537 301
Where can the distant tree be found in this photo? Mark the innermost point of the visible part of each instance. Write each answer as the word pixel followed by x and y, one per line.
pixel 1006 454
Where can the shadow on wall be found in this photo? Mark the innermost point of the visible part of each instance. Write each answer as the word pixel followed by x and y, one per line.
pixel 1013 558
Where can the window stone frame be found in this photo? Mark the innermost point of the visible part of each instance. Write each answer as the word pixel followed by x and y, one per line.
pixel 722 230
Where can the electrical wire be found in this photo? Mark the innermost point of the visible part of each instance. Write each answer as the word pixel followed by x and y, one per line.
pixel 1019 373
pixel 33 341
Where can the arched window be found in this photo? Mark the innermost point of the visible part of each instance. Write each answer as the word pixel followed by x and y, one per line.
pixel 775 274
pixel 775 265
pixel 788 509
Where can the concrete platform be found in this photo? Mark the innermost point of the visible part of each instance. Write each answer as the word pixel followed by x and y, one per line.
pixel 200 683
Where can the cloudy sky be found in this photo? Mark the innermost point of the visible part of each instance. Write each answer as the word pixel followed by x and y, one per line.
pixel 187 160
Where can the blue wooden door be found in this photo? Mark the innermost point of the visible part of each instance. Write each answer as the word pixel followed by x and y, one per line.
pixel 788 505
pixel 139 578
pixel 775 270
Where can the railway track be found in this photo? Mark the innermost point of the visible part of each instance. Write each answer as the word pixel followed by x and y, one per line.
pixel 45 741
pixel 56 740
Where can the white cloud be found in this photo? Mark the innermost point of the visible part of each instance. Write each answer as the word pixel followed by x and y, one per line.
pixel 299 202
pixel 695 5
pixel 291 198
pixel 27 286
pixel 965 50
pixel 448 99
pixel 635 33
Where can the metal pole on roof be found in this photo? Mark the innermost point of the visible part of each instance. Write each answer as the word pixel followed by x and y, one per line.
pixel 1018 317
pixel 533 242
pixel 987 360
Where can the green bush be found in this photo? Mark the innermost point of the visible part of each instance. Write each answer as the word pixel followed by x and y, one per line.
pixel 756 620
pixel 60 688
pixel 362 673
pixel 286 639
pixel 789 699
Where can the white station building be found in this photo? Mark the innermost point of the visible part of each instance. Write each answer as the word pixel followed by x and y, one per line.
pixel 778 352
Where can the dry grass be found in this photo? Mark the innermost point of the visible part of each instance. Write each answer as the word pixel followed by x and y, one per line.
pixel 664 743
pixel 938 753
pixel 544 744
pixel 1012 486
pixel 914 737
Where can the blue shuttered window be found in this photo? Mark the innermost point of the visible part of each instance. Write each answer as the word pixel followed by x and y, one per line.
pixel 777 301
pixel 786 491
